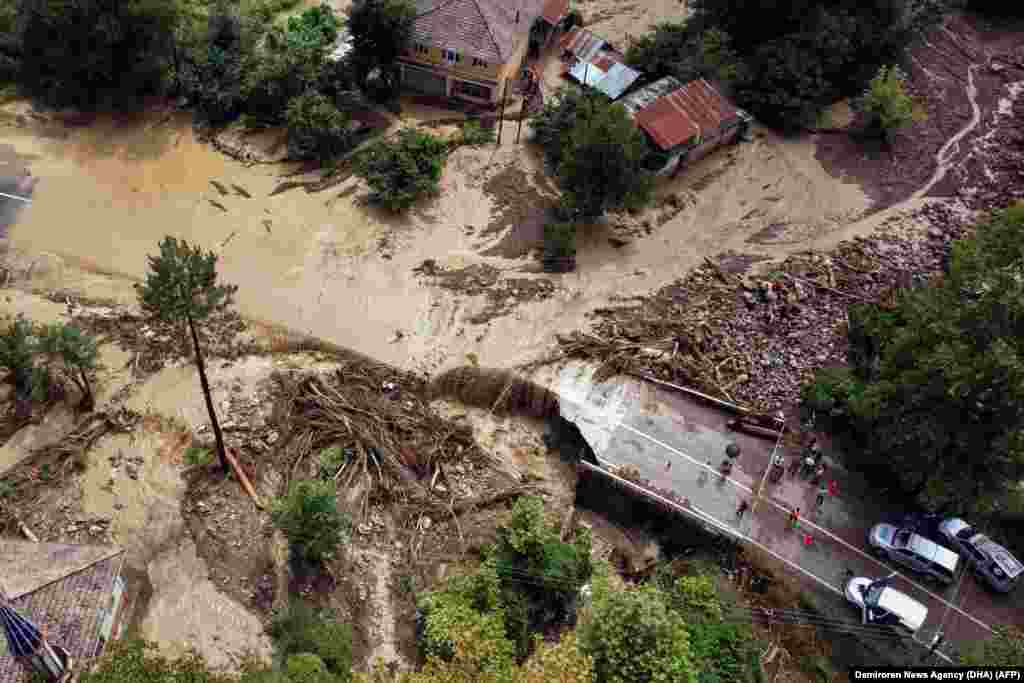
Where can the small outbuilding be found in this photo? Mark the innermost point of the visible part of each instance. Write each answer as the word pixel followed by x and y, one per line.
pixel 684 122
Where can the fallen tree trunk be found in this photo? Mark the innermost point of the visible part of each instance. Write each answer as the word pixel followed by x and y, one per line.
pixel 230 454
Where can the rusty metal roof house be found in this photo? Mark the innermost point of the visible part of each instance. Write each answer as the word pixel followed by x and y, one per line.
pixel 685 122
pixel 56 599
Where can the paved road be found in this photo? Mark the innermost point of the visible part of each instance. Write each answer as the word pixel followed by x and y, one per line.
pixel 676 443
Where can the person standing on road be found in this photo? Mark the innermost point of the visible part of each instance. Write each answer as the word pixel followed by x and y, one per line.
pixel 744 506
pixel 822 492
pixel 794 519
pixel 833 488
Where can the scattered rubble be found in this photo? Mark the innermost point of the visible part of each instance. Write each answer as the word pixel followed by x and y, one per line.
pixel 756 340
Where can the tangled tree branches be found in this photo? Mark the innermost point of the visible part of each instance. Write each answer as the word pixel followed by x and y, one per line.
pixel 392 442
pixel 755 342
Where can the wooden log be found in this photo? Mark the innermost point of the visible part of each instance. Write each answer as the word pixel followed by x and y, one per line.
pixel 246 484
pixel 28 532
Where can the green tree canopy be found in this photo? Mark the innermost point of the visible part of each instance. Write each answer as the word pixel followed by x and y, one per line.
pixel 316 128
pixel 76 354
pixel 935 397
pixel 887 104
pixel 633 637
pixel 309 516
pixel 85 53
pixel 380 31
pixel 403 170
pixel 181 288
pixel 602 161
pixel 682 50
pixel 1005 648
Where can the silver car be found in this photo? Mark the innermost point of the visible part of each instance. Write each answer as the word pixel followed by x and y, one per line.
pixel 914 551
pixel 993 562
pixel 883 605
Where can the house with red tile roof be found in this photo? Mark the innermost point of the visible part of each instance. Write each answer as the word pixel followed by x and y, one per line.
pixel 469 49
pixel 55 597
pixel 684 122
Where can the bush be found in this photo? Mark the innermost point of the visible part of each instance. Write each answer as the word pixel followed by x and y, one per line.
pixel 198 457
pixel 330 460
pixel 301 629
pixel 306 667
pixel 632 635
pixel 559 247
pixel 310 518
pixel 886 103
pixel 401 171
pixel 316 129
pixel 474 134
pixel 18 348
pixel 449 615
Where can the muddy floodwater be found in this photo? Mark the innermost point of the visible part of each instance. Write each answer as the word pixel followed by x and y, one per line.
pixel 325 264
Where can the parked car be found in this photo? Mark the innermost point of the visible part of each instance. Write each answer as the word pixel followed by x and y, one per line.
pixel 994 563
pixel 883 605
pixel 903 546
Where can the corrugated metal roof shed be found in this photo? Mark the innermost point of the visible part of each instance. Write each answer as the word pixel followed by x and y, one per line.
pixel 617 80
pixel 590 72
pixel 693 109
pixel 582 43
pixel 648 94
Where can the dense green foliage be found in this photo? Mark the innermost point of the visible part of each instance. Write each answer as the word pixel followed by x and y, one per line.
pixel 380 31
pixel 602 161
pixel 316 128
pixel 551 124
pixel 595 150
pixel 300 628
pixel 785 60
pixel 559 247
pixel 182 283
pixel 475 135
pixel 934 400
pixel 17 355
pixel 134 661
pixel 403 170
pixel 634 636
pixel 529 580
pixel 1005 648
pixel 887 104
pixel 86 53
pixel 309 516
pixel 681 50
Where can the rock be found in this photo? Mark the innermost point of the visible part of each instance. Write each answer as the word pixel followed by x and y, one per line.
pixel 749 299
pixel 935 233
pixel 95 529
pixel 272 437
pixel 426 523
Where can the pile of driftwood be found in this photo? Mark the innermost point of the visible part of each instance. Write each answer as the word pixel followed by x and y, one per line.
pixel 755 341
pixel 394 444
pixel 499 391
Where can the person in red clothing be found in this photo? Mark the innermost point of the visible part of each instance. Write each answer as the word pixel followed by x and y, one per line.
pixel 794 519
pixel 833 488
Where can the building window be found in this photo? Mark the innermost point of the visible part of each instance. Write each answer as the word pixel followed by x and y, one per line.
pixel 472 90
pixel 452 57
pixel 480 63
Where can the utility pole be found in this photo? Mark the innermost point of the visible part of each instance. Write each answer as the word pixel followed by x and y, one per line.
pixel 501 116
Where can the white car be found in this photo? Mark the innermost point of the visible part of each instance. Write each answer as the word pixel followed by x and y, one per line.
pixel 880 604
pixel 993 562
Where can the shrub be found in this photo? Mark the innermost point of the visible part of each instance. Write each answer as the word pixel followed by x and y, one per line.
pixel 306 667
pixel 331 459
pixel 449 615
pixel 401 171
pixel 196 456
pixel 316 129
pixel 74 353
pixel 18 348
pixel 310 518
pixel 559 247
pixel 632 635
pixel 887 104
pixel 299 628
pixel 475 134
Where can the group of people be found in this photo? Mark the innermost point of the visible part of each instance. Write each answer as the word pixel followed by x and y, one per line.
pixel 810 462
